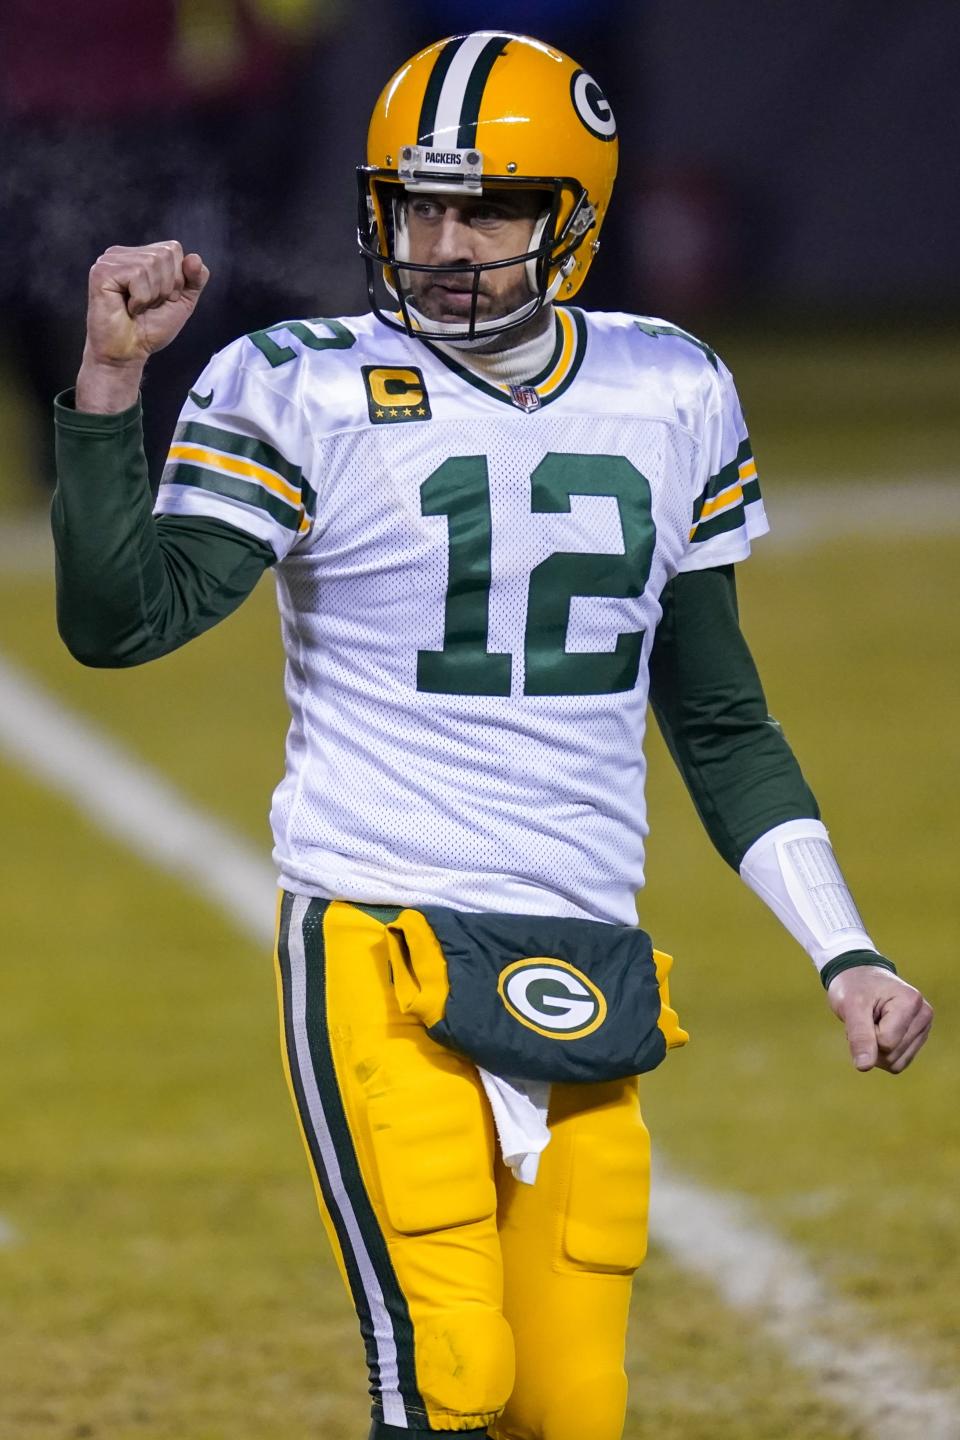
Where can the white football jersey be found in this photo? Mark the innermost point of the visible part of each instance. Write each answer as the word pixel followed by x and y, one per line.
pixel 469 578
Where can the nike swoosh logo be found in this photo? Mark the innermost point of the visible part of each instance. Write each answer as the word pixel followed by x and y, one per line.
pixel 202 400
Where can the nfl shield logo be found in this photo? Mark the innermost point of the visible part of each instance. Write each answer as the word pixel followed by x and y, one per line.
pixel 525 396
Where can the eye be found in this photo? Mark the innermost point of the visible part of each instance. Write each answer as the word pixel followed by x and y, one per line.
pixel 490 214
pixel 426 209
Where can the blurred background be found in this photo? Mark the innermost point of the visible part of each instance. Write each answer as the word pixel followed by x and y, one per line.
pixel 783 167
pixel 787 191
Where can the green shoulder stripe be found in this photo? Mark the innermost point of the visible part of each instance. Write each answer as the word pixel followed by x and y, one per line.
pixel 218 482
pixel 193 432
pixel 729 475
pixel 731 519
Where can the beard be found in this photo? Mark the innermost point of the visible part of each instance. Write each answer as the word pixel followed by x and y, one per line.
pixel 448 298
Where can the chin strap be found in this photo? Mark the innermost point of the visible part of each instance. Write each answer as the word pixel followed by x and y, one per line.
pixel 563 270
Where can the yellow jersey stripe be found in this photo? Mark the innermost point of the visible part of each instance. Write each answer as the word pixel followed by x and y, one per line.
pixel 566 355
pixel 747 470
pixel 197 455
pixel 723 501
pixel 564 362
pixel 726 500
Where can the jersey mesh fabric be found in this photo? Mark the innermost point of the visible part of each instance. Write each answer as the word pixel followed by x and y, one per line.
pixel 515 802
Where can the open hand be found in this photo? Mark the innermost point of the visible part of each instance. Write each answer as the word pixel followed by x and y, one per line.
pixel 886 1019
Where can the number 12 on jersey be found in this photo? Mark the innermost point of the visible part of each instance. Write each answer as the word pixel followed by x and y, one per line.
pixel 460 489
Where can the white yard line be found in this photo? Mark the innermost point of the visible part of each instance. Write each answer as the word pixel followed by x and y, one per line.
pixel 717 1237
pixel 881 1386
pixel 802 513
pixel 807 513
pixel 135 805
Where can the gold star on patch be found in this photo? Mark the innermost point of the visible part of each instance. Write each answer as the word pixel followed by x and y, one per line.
pixel 408 412
pixel 420 410
pixel 379 414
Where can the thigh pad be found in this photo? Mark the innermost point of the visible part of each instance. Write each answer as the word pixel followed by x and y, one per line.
pixel 605 1225
pixel 432 1142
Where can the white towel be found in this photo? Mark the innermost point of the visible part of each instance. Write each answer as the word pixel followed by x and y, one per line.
pixel 520 1115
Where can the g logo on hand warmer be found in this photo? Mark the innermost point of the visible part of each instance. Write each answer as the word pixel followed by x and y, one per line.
pixel 551 997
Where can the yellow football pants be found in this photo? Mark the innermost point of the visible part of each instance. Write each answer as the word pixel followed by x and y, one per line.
pixel 482 1301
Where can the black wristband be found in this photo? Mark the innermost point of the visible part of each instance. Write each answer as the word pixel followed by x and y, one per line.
pixel 850 961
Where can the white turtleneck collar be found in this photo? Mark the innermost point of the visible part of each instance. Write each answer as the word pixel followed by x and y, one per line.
pixel 514 365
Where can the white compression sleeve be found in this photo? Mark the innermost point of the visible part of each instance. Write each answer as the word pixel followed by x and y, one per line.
pixel 794 870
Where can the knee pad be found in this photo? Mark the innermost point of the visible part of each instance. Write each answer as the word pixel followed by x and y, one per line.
pixel 465 1366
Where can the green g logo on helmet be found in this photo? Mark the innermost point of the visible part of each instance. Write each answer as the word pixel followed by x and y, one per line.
pixel 552 997
pixel 592 106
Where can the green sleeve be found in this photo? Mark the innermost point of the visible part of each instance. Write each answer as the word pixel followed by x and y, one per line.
pixel 706 694
pixel 131 587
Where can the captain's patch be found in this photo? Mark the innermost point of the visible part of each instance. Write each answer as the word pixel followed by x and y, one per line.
pixel 395 393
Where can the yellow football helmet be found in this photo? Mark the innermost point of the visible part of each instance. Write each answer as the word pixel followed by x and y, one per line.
pixel 497 110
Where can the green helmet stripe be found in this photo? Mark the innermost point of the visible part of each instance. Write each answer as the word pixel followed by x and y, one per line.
pixel 473 93
pixel 431 96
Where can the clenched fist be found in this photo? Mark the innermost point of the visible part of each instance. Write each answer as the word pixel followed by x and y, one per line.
pixel 139 299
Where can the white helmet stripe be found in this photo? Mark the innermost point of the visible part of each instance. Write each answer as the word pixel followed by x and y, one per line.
pixel 446 132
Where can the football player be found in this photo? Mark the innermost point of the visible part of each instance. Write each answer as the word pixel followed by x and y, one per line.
pixel 498 525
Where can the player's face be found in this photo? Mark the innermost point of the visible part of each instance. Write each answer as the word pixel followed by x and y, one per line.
pixel 450 230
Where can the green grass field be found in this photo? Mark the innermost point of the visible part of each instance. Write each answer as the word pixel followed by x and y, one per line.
pixel 167 1277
